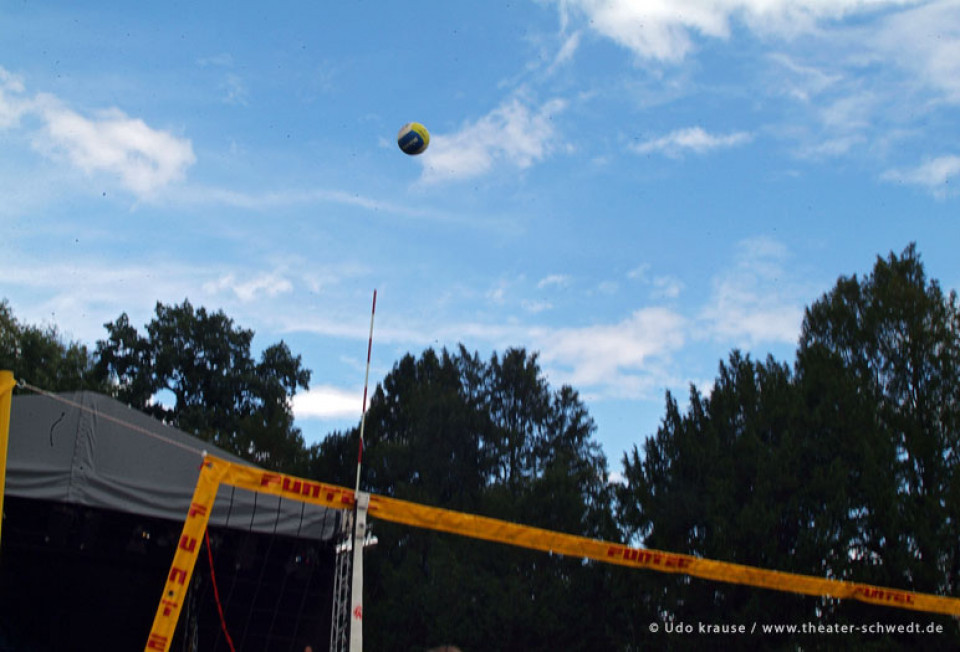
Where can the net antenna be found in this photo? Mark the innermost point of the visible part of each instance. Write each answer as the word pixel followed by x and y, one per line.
pixel 366 380
pixel 346 627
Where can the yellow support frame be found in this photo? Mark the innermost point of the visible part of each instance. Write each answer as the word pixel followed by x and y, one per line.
pixel 216 471
pixel 7 383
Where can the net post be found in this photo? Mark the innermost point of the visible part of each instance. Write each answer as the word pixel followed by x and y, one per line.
pixel 185 558
pixel 356 593
pixel 7 383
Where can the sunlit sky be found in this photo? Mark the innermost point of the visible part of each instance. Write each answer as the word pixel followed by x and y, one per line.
pixel 631 189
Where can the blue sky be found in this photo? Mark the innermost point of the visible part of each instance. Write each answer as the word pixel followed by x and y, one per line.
pixel 632 189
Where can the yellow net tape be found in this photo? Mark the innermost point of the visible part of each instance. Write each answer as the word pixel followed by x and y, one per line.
pixel 215 471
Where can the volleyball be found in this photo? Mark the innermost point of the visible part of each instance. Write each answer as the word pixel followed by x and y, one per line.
pixel 413 138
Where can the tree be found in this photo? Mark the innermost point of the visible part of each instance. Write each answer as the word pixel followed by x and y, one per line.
pixel 846 468
pixel 894 339
pixel 450 430
pixel 718 482
pixel 43 357
pixel 203 361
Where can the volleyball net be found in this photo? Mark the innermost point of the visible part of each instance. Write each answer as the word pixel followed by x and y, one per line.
pixel 216 472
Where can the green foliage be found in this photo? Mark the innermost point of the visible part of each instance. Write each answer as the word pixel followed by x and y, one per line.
pixel 220 393
pixel 490 438
pixel 42 357
pixel 846 468
pixel 894 340
pixel 719 482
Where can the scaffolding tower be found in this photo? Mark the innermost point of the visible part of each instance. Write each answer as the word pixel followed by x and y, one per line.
pixel 340 620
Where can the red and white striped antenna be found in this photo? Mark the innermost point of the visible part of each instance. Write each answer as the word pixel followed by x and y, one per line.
pixel 366 380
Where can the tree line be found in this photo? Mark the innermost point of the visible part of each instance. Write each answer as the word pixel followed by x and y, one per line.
pixel 843 464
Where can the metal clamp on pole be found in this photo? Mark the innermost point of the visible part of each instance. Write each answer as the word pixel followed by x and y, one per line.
pixel 359 539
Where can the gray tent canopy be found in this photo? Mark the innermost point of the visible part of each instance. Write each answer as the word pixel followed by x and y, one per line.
pixel 88 449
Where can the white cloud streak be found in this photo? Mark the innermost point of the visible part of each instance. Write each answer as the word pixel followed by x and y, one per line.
pixel 12 105
pixel 144 159
pixel 924 41
pixel 691 139
pixel 665 30
pixel 755 302
pixel 327 402
pixel 935 176
pixel 554 280
pixel 615 358
pixel 513 134
pixel 268 284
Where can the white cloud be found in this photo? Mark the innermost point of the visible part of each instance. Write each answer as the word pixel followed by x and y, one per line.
pixel 829 147
pixel 567 49
pixel 608 287
pixel 935 175
pixel 327 402
pixel 145 159
pixel 12 106
pixel 513 134
pixel 692 139
pixel 80 295
pixel 535 307
pixel 498 293
pixel 663 287
pixel 619 359
pixel 800 81
pixel 925 41
pixel 554 280
pixel 269 284
pixel 234 90
pixel 666 287
pixel 654 29
pixel 664 30
pixel 755 302
pixel 198 195
pixel 223 59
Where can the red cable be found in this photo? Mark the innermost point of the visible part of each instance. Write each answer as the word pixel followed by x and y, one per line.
pixel 216 593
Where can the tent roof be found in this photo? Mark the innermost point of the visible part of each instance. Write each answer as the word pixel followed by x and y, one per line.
pixel 88 449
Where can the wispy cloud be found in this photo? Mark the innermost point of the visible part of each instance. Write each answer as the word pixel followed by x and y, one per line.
pixel 233 87
pixel 565 54
pixel 800 80
pixel 12 103
pixel 617 360
pixel 82 294
pixel 935 176
pixel 536 306
pixel 327 402
pixel 924 41
pixel 554 280
pixel 266 284
pixel 665 30
pixel 830 147
pixel 200 195
pixel 514 134
pixel 234 90
pixel 662 286
pixel 144 159
pixel 756 301
pixel 691 139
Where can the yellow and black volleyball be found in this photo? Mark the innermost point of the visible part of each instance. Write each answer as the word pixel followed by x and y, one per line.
pixel 413 138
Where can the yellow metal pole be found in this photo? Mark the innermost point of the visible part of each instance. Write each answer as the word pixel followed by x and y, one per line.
pixel 7 383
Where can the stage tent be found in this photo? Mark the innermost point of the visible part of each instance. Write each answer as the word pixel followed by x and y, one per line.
pixel 96 494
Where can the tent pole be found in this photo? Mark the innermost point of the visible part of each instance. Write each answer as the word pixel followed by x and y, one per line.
pixel 7 383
